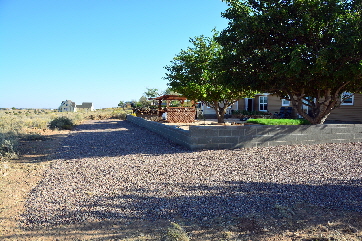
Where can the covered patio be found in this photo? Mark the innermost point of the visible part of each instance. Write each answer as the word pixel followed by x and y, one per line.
pixel 176 114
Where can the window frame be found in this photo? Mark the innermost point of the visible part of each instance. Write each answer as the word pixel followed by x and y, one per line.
pixel 265 105
pixel 285 104
pixel 352 98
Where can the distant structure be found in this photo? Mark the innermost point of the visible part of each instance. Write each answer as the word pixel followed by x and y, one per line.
pixel 86 106
pixel 70 106
pixel 67 106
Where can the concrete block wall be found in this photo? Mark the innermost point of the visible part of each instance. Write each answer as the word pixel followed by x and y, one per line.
pixel 224 137
pixel 170 132
pixel 228 137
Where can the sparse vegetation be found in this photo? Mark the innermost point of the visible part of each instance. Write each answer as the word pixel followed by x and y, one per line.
pixel 176 233
pixel 300 221
pixel 28 124
pixel 62 123
pixel 7 145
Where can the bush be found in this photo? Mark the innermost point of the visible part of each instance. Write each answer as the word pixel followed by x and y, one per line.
pixel 8 143
pixel 250 114
pixel 120 114
pixel 62 123
pixel 175 233
pixel 111 113
pixel 32 137
pixel 279 121
pixel 246 112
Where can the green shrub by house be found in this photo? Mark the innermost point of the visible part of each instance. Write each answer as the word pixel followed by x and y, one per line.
pixel 279 121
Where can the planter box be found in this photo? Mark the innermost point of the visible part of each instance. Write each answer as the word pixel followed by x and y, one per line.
pixel 229 137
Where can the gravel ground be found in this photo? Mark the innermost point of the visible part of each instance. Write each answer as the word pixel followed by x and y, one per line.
pixel 109 170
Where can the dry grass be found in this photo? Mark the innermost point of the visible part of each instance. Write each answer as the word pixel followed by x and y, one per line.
pixel 16 125
pixel 19 176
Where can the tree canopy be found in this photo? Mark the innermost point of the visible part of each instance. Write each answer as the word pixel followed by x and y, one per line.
pixel 151 93
pixel 196 73
pixel 307 51
pixel 122 104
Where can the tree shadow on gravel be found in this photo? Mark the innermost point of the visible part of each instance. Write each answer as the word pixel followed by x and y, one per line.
pixel 258 209
pixel 248 210
pixel 37 151
pixel 114 138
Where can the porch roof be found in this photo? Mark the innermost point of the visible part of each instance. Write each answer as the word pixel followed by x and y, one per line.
pixel 171 97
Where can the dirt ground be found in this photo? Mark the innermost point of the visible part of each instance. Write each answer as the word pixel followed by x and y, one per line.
pixel 18 177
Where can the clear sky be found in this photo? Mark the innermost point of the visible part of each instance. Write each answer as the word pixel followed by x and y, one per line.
pixel 100 51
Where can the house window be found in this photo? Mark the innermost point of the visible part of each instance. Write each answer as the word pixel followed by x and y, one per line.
pixel 349 98
pixel 263 103
pixel 285 102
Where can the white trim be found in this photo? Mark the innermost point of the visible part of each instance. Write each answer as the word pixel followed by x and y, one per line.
pixel 351 97
pixel 246 103
pixel 284 102
pixel 264 104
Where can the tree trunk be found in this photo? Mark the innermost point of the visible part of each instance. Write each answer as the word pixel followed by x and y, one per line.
pixel 221 115
pixel 220 112
pixel 319 109
pixel 314 120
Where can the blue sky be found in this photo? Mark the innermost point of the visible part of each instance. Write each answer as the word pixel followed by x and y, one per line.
pixel 100 51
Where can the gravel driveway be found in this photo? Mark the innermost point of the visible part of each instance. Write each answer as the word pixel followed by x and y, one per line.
pixel 111 169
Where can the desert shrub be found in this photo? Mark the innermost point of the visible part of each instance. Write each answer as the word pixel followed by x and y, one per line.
pixel 175 233
pixel 120 114
pixel 8 143
pixel 11 124
pixel 33 137
pixel 15 124
pixel 61 122
pixel 111 113
pixel 99 117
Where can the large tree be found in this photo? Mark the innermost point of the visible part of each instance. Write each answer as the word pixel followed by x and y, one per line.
pixel 196 73
pixel 306 51
pixel 151 93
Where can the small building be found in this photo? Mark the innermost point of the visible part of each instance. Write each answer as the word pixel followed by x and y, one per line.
pixel 70 106
pixel 87 106
pixel 67 106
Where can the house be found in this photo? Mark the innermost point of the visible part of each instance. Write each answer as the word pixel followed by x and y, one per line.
pixel 87 106
pixel 350 110
pixel 209 112
pixel 69 106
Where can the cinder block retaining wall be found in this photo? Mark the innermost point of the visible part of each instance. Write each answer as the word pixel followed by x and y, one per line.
pixel 170 132
pixel 227 137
